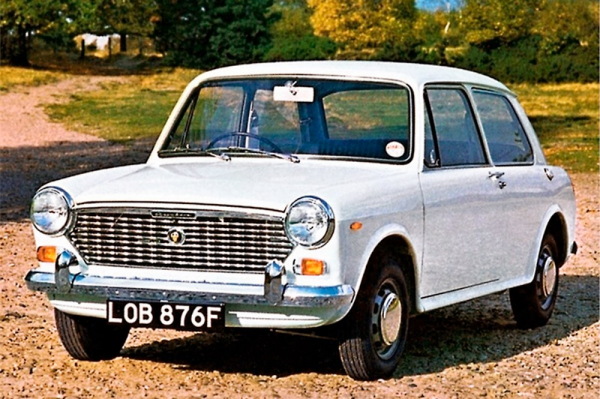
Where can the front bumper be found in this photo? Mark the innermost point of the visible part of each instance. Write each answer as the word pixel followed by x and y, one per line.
pixel 273 304
pixel 189 292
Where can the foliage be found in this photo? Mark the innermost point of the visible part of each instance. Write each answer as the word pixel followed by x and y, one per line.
pixel 50 19
pixel 366 29
pixel 542 41
pixel 517 40
pixel 125 17
pixel 491 23
pixel 205 33
pixel 293 37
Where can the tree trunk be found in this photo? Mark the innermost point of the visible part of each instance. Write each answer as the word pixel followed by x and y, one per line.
pixel 82 54
pixel 19 55
pixel 123 42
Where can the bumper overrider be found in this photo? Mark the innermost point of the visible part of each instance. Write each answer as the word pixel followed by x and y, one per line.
pixel 272 293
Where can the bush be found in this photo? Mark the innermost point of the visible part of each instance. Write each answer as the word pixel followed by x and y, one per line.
pixel 531 60
pixel 308 47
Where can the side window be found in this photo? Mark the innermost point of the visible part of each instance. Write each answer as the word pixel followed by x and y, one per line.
pixel 504 134
pixel 454 128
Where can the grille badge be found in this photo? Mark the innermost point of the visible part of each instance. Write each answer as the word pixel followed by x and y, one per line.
pixel 173 215
pixel 176 236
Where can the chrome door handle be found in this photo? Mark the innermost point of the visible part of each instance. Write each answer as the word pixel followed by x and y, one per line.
pixel 495 175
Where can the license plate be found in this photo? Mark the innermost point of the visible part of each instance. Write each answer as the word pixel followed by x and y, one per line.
pixel 169 315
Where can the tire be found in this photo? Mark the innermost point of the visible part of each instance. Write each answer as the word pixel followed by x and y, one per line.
pixel 532 304
pixel 371 344
pixel 89 338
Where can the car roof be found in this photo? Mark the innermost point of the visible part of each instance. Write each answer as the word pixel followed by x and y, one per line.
pixel 415 75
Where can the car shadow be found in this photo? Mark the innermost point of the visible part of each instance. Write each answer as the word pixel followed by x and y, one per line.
pixel 24 169
pixel 479 331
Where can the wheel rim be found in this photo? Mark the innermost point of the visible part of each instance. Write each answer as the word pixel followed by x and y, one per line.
pixel 386 320
pixel 547 278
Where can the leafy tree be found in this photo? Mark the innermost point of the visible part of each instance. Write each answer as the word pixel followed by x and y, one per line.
pixel 211 33
pixel 292 34
pixel 125 17
pixel 365 29
pixel 22 20
pixel 435 32
pixel 490 24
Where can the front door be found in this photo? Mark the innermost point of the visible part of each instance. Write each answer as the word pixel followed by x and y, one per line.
pixel 461 192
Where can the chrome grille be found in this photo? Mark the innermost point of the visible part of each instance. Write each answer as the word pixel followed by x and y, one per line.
pixel 214 241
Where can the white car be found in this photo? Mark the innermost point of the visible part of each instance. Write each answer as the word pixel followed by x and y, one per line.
pixel 296 195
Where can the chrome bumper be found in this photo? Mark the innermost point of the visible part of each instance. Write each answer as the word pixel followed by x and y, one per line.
pixel 271 293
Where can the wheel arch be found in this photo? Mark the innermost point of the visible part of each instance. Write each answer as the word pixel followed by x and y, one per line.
pixel 557 226
pixel 397 244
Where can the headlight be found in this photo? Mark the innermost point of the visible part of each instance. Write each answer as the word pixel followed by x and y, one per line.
pixel 309 222
pixel 50 211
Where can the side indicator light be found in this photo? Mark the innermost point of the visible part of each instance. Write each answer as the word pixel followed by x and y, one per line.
pixel 46 254
pixel 356 226
pixel 313 267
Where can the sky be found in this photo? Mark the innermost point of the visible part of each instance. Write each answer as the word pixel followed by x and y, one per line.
pixel 437 4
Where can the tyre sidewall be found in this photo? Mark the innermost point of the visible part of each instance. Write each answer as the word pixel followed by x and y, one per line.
pixel 357 325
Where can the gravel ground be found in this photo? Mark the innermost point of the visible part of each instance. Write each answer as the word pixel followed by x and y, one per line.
pixel 468 350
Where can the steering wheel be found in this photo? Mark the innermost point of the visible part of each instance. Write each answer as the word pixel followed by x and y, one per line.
pixel 262 139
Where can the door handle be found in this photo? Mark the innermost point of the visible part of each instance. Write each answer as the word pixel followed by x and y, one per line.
pixel 495 175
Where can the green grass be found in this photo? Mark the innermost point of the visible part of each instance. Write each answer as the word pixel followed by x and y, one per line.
pixel 121 112
pixel 565 117
pixel 12 76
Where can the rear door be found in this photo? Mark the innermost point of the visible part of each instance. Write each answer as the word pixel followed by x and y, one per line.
pixel 524 187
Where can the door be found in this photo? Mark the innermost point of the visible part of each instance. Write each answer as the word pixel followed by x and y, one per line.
pixel 460 192
pixel 524 200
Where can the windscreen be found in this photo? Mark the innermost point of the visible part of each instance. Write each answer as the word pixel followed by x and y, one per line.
pixel 302 117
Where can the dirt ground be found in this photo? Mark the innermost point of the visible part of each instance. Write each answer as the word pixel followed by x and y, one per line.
pixel 468 350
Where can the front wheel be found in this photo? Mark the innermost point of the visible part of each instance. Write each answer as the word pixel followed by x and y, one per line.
pixel 89 338
pixel 532 304
pixel 373 335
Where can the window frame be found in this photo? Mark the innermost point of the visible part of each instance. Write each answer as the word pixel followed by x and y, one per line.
pixel 476 121
pixel 508 102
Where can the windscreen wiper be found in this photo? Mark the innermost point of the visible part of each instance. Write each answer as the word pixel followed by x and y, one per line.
pixel 213 152
pixel 287 157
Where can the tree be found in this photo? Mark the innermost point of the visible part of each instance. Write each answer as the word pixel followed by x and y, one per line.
pixel 22 20
pixel 125 17
pixel 490 24
pixel 293 37
pixel 211 33
pixel 363 28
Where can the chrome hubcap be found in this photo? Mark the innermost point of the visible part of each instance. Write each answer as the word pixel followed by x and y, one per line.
pixel 386 320
pixel 391 317
pixel 548 277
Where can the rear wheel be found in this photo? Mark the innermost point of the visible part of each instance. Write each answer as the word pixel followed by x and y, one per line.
pixel 89 338
pixel 373 335
pixel 532 304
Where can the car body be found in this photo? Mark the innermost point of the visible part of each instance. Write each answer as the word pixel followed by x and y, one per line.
pixel 303 194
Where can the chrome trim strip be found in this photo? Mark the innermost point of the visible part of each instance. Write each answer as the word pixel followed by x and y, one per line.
pixel 170 213
pixel 191 292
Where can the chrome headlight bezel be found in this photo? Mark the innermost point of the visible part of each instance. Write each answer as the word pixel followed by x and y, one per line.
pixel 51 211
pixel 309 222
